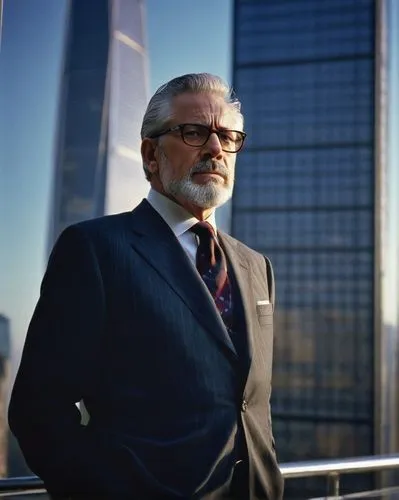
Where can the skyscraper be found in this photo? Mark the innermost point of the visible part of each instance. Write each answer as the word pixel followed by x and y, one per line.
pixel 4 376
pixel 103 97
pixel 313 191
pixel 1 18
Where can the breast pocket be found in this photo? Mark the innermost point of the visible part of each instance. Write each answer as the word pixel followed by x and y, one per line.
pixel 265 314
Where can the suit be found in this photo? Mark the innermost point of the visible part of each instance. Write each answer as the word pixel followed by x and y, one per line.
pixel 125 323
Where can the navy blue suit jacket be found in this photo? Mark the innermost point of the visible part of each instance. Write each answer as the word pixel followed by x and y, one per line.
pixel 125 323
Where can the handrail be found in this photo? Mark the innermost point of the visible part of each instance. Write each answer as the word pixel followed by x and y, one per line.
pixel 331 469
pixel 12 484
pixel 339 466
pixel 364 494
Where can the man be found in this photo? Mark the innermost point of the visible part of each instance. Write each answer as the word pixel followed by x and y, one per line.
pixel 161 325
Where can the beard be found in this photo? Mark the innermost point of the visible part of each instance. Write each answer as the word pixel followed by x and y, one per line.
pixel 209 195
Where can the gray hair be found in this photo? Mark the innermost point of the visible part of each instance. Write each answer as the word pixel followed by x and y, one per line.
pixel 159 108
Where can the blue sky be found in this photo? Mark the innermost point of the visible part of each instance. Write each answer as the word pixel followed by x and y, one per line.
pixel 188 36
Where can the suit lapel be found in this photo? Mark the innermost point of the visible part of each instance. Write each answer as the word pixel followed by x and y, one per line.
pixel 156 243
pixel 242 271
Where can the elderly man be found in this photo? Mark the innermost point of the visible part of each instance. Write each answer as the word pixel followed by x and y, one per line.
pixel 162 326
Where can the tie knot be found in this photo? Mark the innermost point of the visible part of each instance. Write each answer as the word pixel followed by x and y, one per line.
pixel 202 229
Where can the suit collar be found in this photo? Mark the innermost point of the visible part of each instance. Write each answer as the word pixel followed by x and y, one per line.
pixel 241 267
pixel 175 216
pixel 155 241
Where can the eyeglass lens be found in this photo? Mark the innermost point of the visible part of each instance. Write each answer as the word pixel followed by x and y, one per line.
pixel 197 135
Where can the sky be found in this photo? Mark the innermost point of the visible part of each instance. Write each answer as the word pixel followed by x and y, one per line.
pixel 188 36
pixel 182 36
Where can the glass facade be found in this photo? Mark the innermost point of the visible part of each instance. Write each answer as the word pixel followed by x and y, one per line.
pixel 307 193
pixel 103 98
pixel 1 18
pixel 4 379
pixel 126 185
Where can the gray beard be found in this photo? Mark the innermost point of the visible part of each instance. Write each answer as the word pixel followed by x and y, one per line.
pixel 210 195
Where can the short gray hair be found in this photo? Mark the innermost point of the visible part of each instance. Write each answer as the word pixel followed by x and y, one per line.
pixel 159 108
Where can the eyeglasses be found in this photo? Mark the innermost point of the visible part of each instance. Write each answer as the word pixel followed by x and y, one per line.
pixel 197 136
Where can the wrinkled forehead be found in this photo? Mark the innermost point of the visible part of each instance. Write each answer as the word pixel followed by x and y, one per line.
pixel 204 108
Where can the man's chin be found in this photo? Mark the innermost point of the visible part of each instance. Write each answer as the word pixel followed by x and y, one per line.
pixel 205 195
pixel 206 178
pixel 212 201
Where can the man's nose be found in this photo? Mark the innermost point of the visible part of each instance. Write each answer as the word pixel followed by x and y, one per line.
pixel 213 147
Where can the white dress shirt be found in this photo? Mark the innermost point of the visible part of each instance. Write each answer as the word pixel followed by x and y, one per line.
pixel 179 220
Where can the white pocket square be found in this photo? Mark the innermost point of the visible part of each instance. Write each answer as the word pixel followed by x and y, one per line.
pixel 262 302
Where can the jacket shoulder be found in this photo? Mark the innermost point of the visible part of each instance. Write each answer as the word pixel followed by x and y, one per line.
pixel 112 224
pixel 104 223
pixel 102 231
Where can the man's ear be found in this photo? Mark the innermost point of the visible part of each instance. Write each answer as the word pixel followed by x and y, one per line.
pixel 148 149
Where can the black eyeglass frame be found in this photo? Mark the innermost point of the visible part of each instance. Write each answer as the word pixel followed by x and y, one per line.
pixel 210 132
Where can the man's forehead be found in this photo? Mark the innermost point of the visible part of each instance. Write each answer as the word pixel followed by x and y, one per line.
pixel 204 107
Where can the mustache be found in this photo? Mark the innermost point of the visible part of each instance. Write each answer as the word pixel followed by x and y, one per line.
pixel 210 166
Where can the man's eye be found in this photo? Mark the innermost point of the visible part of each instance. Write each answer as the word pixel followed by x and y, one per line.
pixel 227 136
pixel 192 133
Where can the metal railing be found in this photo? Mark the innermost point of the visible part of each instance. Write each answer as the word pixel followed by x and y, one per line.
pixel 385 493
pixel 332 470
pixel 21 485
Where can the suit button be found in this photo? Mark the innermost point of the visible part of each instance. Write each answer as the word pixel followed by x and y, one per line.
pixel 244 405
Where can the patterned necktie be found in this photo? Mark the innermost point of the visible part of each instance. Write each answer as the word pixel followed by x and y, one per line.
pixel 212 266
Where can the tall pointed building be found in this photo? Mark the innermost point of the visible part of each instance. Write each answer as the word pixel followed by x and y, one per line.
pixel 103 97
pixel 5 352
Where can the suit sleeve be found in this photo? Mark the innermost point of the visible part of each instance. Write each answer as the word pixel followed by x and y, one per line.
pixel 60 366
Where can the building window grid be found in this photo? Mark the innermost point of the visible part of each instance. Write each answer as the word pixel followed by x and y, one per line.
pixel 311 9
pixel 312 118
pixel 351 37
pixel 311 50
pixel 268 78
pixel 317 17
pixel 345 297
pixel 270 81
pixel 313 229
pixel 321 440
pixel 320 24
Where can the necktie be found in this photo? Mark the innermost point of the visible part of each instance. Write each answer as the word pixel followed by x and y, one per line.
pixel 212 266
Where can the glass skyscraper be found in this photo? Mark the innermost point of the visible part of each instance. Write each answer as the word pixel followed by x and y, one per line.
pixel 313 187
pixel 103 98
pixel 1 18
pixel 4 378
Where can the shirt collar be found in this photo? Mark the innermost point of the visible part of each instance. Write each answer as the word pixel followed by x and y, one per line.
pixel 177 217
